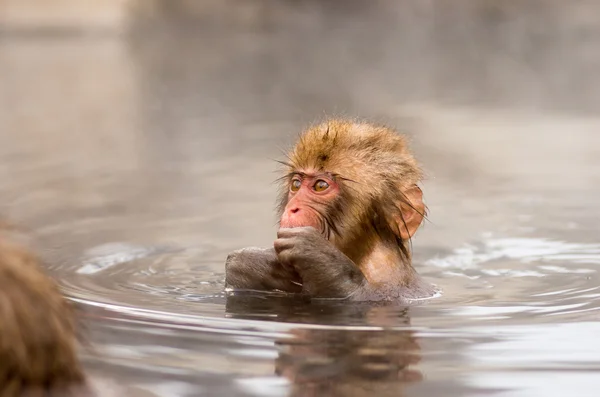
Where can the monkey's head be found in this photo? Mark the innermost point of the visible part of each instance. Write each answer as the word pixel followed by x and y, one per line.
pixel 357 184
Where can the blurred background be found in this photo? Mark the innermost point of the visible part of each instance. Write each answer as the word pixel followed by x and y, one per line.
pixel 136 108
pixel 137 140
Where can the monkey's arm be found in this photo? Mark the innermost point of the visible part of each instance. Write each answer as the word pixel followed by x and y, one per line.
pixel 259 269
pixel 325 271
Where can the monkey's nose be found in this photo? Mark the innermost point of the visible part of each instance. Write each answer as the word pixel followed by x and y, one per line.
pixel 294 210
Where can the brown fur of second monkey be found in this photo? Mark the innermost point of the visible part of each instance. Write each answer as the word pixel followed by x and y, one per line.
pixel 38 343
pixel 348 208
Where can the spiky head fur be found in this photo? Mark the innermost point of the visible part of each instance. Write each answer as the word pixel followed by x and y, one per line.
pixel 372 165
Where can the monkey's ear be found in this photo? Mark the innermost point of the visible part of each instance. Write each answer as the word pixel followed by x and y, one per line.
pixel 412 215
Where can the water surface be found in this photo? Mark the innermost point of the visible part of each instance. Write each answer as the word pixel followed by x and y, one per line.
pixel 139 161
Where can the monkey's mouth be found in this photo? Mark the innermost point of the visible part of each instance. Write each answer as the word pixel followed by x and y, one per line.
pixel 321 227
pixel 315 218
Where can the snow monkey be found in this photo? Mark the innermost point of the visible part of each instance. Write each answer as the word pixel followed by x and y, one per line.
pixel 348 207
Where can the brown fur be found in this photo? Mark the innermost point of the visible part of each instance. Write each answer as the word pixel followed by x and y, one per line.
pixel 38 354
pixel 374 168
pixel 349 204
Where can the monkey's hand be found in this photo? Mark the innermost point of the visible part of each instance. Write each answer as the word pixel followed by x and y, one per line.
pixel 325 271
pixel 259 269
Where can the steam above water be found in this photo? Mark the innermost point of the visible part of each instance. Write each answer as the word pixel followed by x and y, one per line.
pixel 138 151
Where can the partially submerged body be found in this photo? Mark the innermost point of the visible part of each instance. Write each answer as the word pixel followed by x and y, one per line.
pixel 349 206
pixel 270 275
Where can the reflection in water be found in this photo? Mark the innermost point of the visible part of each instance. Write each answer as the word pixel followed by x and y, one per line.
pixel 341 361
pixel 140 160
pixel 348 363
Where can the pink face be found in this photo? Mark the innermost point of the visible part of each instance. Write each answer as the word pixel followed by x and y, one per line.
pixel 310 189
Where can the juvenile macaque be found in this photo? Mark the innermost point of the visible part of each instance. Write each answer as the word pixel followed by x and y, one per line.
pixel 38 354
pixel 349 205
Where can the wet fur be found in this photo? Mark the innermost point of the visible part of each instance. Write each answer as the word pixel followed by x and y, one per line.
pixel 357 237
pixel 373 165
pixel 38 343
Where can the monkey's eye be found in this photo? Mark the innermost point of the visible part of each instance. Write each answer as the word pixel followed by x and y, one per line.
pixel 295 185
pixel 321 185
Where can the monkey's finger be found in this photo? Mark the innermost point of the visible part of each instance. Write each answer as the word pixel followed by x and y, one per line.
pixel 285 232
pixel 296 231
pixel 286 260
pixel 282 244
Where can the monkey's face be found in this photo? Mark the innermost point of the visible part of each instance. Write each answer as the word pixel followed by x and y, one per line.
pixel 356 183
pixel 311 196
